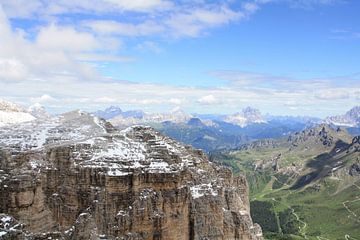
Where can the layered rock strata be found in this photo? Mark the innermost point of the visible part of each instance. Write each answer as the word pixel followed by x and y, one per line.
pixel 77 177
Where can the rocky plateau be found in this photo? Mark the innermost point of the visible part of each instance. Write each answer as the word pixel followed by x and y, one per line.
pixel 75 176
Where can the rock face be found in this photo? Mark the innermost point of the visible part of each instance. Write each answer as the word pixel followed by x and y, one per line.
pixel 77 177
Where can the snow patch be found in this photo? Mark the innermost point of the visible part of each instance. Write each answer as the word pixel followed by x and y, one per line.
pixel 201 190
pixel 14 117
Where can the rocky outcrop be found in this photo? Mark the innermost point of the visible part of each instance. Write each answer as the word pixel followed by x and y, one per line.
pixel 94 182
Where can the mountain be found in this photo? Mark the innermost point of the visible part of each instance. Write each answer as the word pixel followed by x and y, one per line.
pixel 11 113
pixel 305 185
pixel 38 111
pixel 131 118
pixel 349 119
pixel 75 176
pixel 202 135
pixel 110 112
pixel 246 117
pixel 210 133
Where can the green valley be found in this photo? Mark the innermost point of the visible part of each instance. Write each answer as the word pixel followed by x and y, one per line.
pixel 304 186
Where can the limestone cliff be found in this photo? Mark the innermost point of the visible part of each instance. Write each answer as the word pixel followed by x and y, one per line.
pixel 76 177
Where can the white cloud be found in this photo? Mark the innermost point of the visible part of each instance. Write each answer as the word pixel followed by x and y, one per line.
pixel 45 98
pixel 193 22
pixel 12 69
pixel 208 100
pixel 105 100
pixel 29 9
pixel 332 94
pixel 176 101
pixel 51 61
pixel 66 39
pixel 140 5
pixel 148 27
pixel 53 55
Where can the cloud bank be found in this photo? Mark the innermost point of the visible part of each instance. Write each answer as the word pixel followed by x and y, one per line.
pixel 55 61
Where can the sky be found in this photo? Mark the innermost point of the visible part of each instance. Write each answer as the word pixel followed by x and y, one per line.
pixel 284 57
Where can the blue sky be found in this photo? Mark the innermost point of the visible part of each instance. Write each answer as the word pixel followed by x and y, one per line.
pixel 288 57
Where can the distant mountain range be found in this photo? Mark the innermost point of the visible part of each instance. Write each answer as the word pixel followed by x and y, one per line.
pixel 211 131
pixel 205 131
pixel 349 119
pixel 246 117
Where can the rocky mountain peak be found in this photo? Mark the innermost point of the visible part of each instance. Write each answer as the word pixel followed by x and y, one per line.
pixel 76 177
pixel 109 112
pixel 354 113
pixel 38 111
pixel 323 134
pixel 350 119
pixel 246 117
pixel 195 122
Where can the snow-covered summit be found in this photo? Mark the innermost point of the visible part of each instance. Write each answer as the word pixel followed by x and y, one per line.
pixel 40 133
pixel 11 113
pixel 96 144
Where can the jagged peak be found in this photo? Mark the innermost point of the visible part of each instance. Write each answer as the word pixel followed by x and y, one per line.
pixel 324 133
pixel 247 116
pixel 350 119
pixel 113 109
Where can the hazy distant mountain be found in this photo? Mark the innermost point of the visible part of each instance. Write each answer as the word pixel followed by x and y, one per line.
pixel 129 118
pixel 246 117
pixel 38 111
pixel 349 119
pixel 211 131
pixel 205 135
pixel 110 112
pixel 11 113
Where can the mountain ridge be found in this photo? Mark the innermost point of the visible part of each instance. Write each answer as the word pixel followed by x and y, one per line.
pixel 75 176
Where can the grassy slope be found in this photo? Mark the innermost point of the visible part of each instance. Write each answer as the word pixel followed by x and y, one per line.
pixel 315 211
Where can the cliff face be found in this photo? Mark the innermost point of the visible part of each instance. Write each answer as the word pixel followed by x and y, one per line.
pixel 107 184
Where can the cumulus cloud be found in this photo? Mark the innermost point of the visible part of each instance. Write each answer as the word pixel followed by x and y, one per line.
pixel 53 57
pixel 12 69
pixel 332 94
pixel 105 100
pixel 45 98
pixel 66 39
pixel 176 19
pixel 176 101
pixel 30 9
pixel 208 100
pixel 193 22
pixel 108 27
